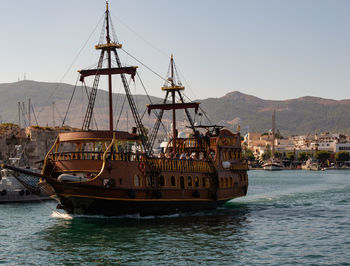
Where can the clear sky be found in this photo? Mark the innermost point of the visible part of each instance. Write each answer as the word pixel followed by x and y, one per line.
pixel 273 49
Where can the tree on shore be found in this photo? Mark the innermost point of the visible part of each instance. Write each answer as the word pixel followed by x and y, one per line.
pixel 303 156
pixel 342 156
pixel 266 155
pixel 249 155
pixel 277 154
pixel 290 156
pixel 322 155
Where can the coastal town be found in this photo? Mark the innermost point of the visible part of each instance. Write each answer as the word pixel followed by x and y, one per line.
pixel 175 132
pixel 330 149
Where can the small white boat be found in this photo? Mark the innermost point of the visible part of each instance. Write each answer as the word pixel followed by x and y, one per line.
pixel 311 165
pixel 11 190
pixel 272 166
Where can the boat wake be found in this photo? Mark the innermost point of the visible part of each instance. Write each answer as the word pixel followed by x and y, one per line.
pixel 65 216
pixel 218 211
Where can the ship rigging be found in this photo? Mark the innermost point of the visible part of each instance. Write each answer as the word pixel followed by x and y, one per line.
pixel 109 172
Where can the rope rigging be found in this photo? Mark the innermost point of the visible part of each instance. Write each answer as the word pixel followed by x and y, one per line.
pixel 87 95
pixel 89 115
pixel 149 99
pixel 121 110
pixel 116 101
pixel 138 122
pixel 200 108
pixel 92 97
pixel 70 66
pixel 36 121
pixel 165 54
pixel 70 101
pixel 145 65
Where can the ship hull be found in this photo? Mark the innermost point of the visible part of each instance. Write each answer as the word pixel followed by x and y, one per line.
pixel 92 206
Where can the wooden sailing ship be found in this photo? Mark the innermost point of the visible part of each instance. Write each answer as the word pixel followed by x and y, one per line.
pixel 115 172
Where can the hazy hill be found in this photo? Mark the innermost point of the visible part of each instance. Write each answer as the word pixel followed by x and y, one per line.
pixel 43 95
pixel 295 116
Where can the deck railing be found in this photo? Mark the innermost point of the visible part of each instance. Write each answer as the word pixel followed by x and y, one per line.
pixel 239 166
pixel 178 165
pixel 162 164
pixel 67 156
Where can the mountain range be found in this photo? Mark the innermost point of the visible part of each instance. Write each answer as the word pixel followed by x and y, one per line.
pixel 305 115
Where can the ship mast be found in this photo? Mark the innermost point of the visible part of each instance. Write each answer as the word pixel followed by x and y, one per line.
pixel 109 48
pixel 173 101
pixel 108 39
pixel 173 88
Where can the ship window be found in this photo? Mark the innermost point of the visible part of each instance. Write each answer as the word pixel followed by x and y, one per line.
pixel 203 182
pixel 182 182
pixel 196 181
pixel 137 180
pixel 172 181
pixel 161 181
pixel 149 180
pixel 189 181
pixel 226 182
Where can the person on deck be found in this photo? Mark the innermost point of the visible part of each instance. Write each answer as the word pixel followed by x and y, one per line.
pixel 193 156
pixel 183 156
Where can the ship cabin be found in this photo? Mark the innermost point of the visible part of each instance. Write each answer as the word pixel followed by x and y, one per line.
pixel 118 159
pixel 83 153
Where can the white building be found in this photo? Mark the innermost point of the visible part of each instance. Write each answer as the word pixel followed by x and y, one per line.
pixel 342 147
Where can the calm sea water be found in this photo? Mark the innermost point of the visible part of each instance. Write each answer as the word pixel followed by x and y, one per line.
pixel 288 217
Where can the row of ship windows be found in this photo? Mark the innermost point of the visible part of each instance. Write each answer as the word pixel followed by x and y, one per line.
pixel 229 154
pixel 344 148
pixel 189 182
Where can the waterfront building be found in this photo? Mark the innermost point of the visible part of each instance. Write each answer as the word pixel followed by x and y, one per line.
pixel 342 147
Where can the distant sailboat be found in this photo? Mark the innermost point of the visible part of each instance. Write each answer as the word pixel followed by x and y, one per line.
pixel 272 164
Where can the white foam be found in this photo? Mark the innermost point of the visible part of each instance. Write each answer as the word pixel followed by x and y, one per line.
pixel 65 216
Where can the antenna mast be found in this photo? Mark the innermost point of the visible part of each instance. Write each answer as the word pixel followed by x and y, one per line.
pixel 273 135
